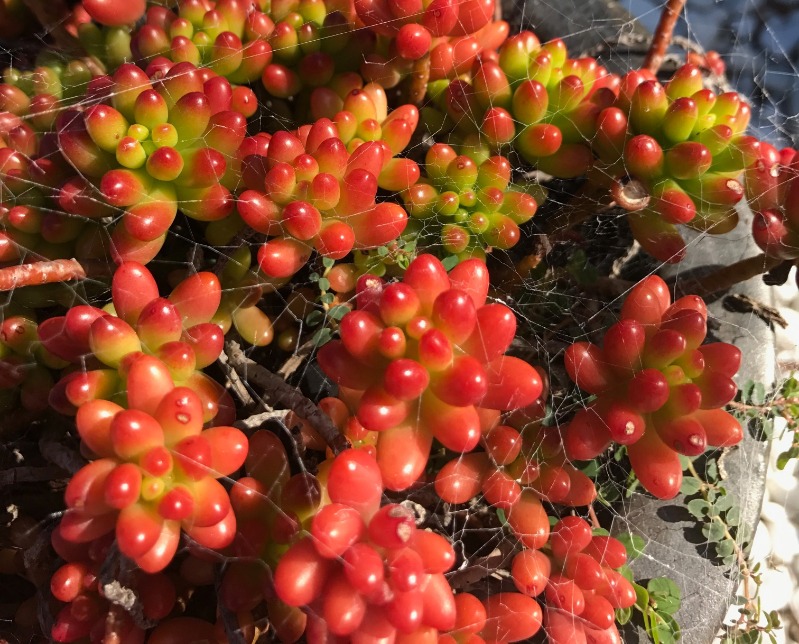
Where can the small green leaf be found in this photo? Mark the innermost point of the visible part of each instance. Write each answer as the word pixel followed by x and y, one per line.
pixel 623 615
pixel 322 336
pixel 690 485
pixel 698 508
pixel 733 516
pixel 725 548
pixel 327 298
pixel 723 502
pixel 501 516
pixel 314 318
pixel 324 284
pixel 668 605
pixel 641 597
pixel 314 277
pixel 328 262
pixel 600 532
pixel 783 459
pixel 633 543
pixel 758 396
pixel 339 311
pixel 450 262
pixel 713 531
pixel 382 251
pixel 667 628
pixel 663 587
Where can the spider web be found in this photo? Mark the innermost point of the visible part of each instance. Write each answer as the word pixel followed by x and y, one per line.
pixel 570 298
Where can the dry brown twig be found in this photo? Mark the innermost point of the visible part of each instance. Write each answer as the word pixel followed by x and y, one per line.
pixel 277 392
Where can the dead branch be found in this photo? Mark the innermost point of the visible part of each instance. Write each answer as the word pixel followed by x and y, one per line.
pixel 277 392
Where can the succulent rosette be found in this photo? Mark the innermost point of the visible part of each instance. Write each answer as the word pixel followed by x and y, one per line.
pixel 25 366
pixel 307 192
pixel 151 147
pixel 772 188
pixel 78 586
pixel 312 40
pixel 40 92
pixel 579 576
pixel 46 210
pixel 659 391
pixel 467 206
pixel 228 36
pixel 450 35
pixel 170 339
pixel 522 465
pixel 531 96
pixel 423 359
pixel 685 147
pixel 156 472
pixel 365 569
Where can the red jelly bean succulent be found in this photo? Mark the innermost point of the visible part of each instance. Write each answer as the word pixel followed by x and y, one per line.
pixel 155 472
pixel 534 97
pixel 686 148
pixel 149 147
pixel 580 581
pixel 451 34
pixel 226 36
pixel 25 366
pixel 78 585
pixel 363 570
pixel 658 389
pixel 154 340
pixel 467 205
pixel 773 190
pixel 40 195
pixel 424 358
pixel 306 192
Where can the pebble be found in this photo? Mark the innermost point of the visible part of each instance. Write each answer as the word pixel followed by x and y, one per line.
pixel 788 338
pixel 785 295
pixel 777 589
pixel 761 544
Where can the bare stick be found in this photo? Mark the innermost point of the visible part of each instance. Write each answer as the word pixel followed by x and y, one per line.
pixel 729 276
pixel 58 270
pixel 663 33
pixel 277 391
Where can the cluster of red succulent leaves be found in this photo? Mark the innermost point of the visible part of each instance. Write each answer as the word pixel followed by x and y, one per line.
pixel 418 360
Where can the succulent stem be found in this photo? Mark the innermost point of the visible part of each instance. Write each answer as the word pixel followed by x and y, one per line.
pixel 59 270
pixel 727 276
pixel 663 33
